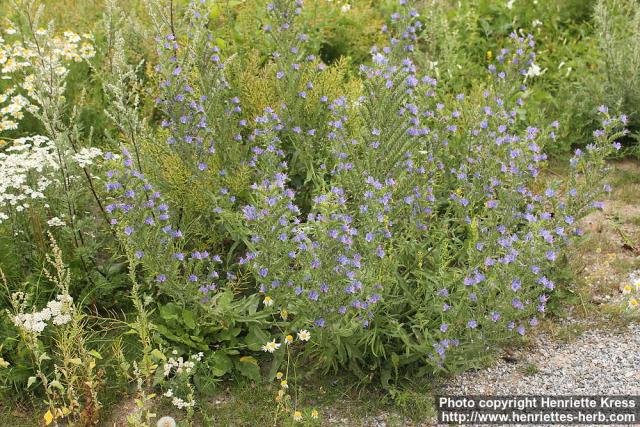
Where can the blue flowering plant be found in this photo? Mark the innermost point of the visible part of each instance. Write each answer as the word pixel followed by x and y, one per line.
pixel 397 224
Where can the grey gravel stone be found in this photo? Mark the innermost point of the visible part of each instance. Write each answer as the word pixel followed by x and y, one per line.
pixel 598 362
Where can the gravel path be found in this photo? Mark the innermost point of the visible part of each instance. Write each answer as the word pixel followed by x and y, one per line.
pixel 596 363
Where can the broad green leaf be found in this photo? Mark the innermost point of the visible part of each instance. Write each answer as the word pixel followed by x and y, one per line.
pixel 249 368
pixel 188 318
pixel 256 338
pixel 220 364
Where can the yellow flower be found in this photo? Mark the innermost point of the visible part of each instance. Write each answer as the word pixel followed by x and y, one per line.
pixel 627 289
pixel 304 335
pixel 284 384
pixel 288 339
pixel 489 55
pixel 297 416
pixel 314 414
pixel 279 375
pixel 268 302
pixel 633 303
pixel 48 418
pixel 284 314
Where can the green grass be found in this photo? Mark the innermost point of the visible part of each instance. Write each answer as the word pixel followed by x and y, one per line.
pixel 337 399
pixel 529 369
pixel 17 416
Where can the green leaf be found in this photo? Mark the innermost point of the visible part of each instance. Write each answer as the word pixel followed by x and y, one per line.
pixel 278 358
pixel 219 364
pixel 31 381
pixel 385 377
pixel 170 335
pixel 224 300
pixel 248 367
pixel 57 384
pixel 229 334
pixel 188 318
pixel 395 360
pixel 95 354
pixel 158 355
pixel 249 359
pixel 256 338
pixel 169 311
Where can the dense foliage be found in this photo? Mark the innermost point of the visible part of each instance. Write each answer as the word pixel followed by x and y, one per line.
pixel 221 208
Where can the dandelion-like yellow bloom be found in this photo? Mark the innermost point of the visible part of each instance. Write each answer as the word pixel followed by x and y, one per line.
pixel 268 301
pixel 284 384
pixel 627 289
pixel 279 375
pixel 297 416
pixel 284 314
pixel 314 414
pixel 633 303
pixel 288 339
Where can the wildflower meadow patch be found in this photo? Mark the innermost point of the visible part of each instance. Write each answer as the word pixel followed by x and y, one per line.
pixel 256 214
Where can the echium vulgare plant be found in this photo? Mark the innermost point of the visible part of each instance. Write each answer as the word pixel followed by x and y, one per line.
pixel 402 226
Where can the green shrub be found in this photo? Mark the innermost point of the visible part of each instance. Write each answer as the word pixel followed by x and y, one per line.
pixel 618 32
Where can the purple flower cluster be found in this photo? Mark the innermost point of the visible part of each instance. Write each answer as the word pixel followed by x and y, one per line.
pixel 412 217
pixel 143 220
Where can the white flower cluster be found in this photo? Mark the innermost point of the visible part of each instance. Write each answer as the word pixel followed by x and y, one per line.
pixel 85 156
pixel 18 59
pixel 56 222
pixel 57 311
pixel 28 167
pixel 25 172
pixel 179 365
pixel 535 70
pixel 179 403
